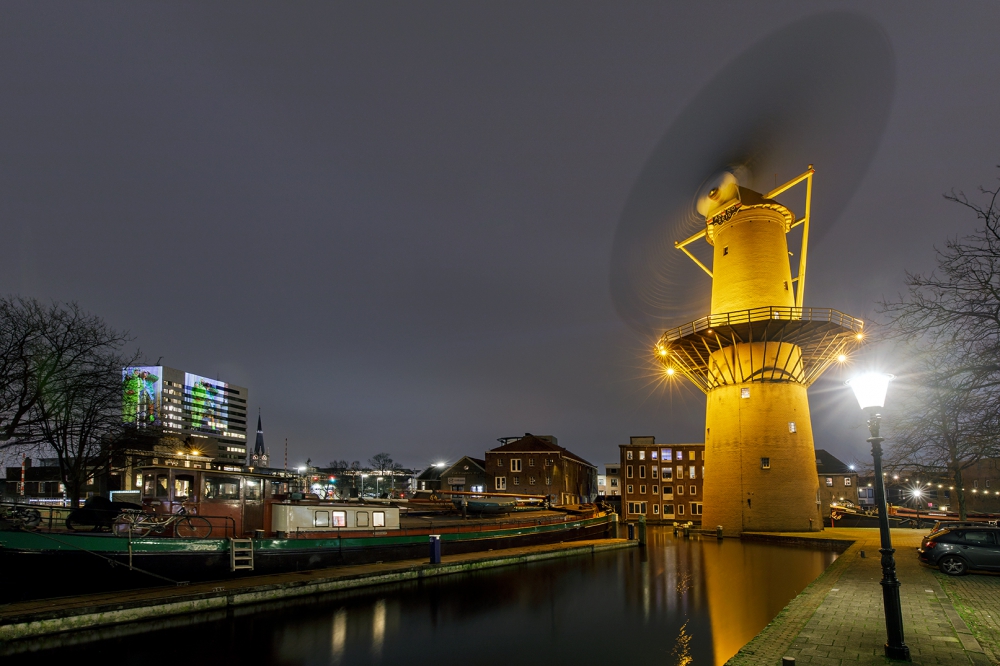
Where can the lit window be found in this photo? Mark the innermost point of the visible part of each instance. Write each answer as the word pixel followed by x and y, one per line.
pixel 642 455
pixel 378 519
pixel 680 472
pixel 791 426
pixel 765 463
pixel 679 456
pixel 744 393
pixel 847 480
pixel 691 472
pixel 339 519
pixel 666 454
pixel 829 481
pixel 628 455
pixel 652 455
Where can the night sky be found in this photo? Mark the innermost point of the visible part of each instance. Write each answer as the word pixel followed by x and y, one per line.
pixel 393 222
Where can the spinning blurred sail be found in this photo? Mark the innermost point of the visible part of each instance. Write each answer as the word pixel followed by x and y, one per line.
pixel 817 91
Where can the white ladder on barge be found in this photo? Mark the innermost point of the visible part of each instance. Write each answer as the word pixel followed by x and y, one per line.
pixel 240 554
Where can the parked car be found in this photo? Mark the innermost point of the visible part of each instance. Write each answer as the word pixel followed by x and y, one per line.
pixel 956 550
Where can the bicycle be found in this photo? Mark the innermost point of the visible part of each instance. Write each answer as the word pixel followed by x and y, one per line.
pixel 19 517
pixel 135 522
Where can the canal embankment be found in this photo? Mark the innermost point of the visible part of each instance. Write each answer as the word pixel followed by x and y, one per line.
pixel 48 617
pixel 838 619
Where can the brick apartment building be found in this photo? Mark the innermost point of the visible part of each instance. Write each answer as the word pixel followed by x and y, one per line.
pixel 837 483
pixel 661 481
pixel 537 465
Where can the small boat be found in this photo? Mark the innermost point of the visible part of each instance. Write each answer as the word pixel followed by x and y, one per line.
pixel 486 504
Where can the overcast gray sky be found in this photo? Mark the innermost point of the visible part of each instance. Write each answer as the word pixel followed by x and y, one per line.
pixel 393 221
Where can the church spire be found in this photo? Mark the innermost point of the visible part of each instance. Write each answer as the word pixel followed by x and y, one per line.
pixel 259 457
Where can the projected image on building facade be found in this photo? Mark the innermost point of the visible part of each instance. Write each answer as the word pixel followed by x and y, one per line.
pixel 142 395
pixel 209 402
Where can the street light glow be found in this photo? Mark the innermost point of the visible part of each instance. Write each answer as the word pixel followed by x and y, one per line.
pixel 670 371
pixel 870 389
pixel 842 357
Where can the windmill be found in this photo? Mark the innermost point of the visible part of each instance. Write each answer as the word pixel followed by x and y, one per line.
pixel 818 89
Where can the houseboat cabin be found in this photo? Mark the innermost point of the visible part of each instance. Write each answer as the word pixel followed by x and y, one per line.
pixel 243 503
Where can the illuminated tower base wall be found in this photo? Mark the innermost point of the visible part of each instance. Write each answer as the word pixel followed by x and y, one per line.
pixel 760 476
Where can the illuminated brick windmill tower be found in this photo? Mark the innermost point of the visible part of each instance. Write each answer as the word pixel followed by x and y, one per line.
pixel 753 347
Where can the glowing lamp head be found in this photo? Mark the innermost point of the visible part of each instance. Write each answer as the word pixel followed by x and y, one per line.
pixel 670 372
pixel 917 492
pixel 661 351
pixel 841 358
pixel 870 389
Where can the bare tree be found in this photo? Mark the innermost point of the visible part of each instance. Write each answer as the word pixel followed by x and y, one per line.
pixel 380 462
pixel 948 325
pixel 62 387
pixel 943 426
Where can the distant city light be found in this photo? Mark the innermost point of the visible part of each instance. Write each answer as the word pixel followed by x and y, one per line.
pixel 302 469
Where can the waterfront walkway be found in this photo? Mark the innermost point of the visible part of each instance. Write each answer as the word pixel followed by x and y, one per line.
pixel 126 611
pixel 838 619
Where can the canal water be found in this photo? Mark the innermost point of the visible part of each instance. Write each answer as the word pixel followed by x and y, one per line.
pixel 676 602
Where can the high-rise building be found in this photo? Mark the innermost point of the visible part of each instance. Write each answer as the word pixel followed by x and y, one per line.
pixel 188 405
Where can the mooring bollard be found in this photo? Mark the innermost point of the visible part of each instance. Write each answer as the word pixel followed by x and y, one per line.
pixel 642 530
pixel 616 527
pixel 788 661
pixel 631 531
pixel 718 531
pixel 862 553
pixel 435 549
pixel 687 532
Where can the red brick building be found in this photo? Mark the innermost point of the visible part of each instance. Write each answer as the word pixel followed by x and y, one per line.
pixel 662 482
pixel 537 465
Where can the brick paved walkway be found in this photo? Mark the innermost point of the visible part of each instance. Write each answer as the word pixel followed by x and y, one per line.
pixel 838 619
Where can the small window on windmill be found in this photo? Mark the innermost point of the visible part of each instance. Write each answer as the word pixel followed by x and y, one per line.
pixel 765 463
pixel 786 285
pixel 791 426
pixel 744 392
pixel 725 250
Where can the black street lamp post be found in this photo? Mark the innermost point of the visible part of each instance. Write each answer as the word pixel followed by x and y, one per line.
pixel 870 391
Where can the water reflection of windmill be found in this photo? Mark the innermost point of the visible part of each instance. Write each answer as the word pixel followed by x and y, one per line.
pixel 817 89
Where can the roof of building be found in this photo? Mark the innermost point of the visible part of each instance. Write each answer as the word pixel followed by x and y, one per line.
pixel 532 444
pixel 827 463
pixel 432 473
pixel 468 460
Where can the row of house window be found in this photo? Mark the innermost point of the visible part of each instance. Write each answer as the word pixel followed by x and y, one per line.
pixel 515 463
pixel 668 510
pixel 665 454
pixel 666 472
pixel 829 481
pixel 667 490
pixel 501 481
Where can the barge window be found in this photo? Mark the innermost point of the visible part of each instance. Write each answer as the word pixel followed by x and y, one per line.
pixel 183 485
pixel 361 519
pixel 378 519
pixel 253 490
pixel 161 485
pixel 321 519
pixel 222 488
pixel 340 519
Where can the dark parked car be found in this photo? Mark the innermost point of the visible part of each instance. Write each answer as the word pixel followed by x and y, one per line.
pixel 956 550
pixel 97 514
